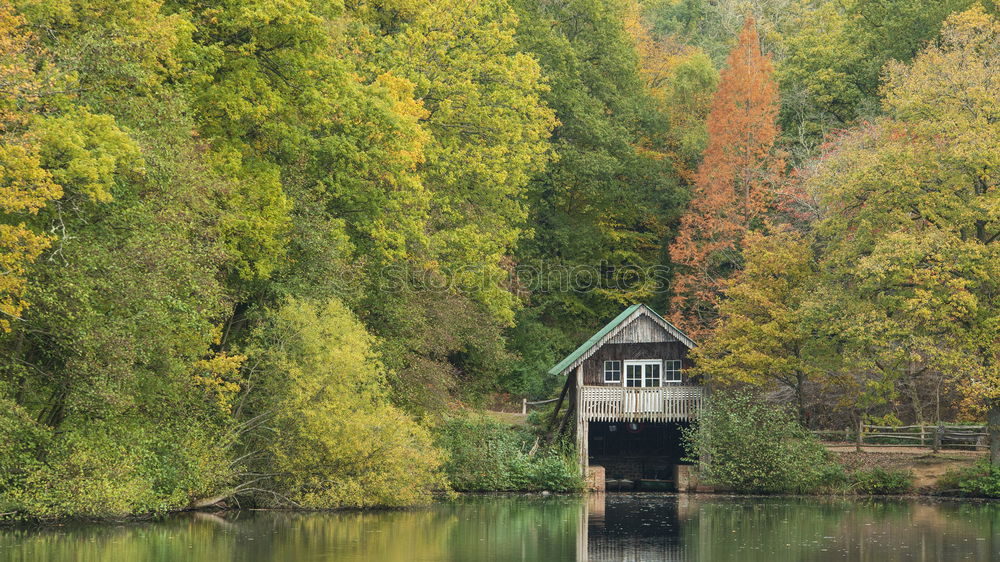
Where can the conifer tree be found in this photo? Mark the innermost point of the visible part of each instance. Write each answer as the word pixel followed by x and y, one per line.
pixel 733 185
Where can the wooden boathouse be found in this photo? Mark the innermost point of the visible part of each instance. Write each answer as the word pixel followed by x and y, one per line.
pixel 630 395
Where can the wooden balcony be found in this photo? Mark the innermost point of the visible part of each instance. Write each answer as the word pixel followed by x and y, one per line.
pixel 658 404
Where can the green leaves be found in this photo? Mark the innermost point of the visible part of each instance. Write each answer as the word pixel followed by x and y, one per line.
pixel 331 438
pixel 750 446
pixel 488 130
pixel 763 337
pixel 85 153
pixel 602 209
pixel 834 57
pixel 485 455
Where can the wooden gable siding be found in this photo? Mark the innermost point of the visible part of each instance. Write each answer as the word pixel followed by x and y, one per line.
pixel 642 330
pixel 593 366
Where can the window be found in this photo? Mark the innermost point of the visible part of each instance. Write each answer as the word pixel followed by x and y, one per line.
pixel 672 371
pixel 612 371
pixel 652 374
pixel 643 373
pixel 633 374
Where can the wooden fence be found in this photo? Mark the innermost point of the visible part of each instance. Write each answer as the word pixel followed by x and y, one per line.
pixel 937 437
pixel 525 403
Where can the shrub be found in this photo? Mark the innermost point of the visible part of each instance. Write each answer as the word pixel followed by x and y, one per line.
pixel 752 446
pixel 24 440
pixel 23 443
pixel 485 455
pixel 334 439
pixel 554 472
pixel 118 467
pixel 881 481
pixel 980 480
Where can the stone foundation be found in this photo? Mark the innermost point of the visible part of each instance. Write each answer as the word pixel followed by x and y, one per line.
pixel 595 479
pixel 686 477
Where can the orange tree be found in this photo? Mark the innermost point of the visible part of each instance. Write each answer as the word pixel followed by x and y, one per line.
pixel 733 185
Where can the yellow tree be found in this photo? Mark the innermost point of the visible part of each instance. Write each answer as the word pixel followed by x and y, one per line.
pixel 912 220
pixel 949 99
pixel 330 437
pixel 760 339
pixel 25 186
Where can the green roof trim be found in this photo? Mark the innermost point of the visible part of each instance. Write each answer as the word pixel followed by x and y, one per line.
pixel 608 328
pixel 569 359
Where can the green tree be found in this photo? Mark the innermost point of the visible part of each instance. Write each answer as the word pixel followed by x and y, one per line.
pixel 819 71
pixel 749 446
pixel 127 296
pixel 489 128
pixel 439 307
pixel 832 58
pixel 601 213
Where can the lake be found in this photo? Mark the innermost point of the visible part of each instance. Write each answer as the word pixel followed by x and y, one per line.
pixel 599 527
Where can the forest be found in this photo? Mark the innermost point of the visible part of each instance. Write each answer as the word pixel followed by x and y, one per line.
pixel 260 249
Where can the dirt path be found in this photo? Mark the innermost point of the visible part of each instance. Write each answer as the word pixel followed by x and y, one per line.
pixel 841 448
pixel 927 467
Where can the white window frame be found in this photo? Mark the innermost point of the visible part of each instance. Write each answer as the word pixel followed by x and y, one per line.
pixel 643 363
pixel 620 370
pixel 672 366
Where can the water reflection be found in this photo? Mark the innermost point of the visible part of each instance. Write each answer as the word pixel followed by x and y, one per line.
pixel 624 527
pixel 635 527
pixel 596 528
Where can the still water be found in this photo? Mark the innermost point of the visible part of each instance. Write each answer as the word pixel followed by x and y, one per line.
pixel 611 527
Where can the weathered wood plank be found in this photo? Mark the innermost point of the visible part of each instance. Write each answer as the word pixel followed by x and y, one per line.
pixel 642 329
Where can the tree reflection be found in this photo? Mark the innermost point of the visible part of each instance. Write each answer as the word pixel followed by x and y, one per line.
pixel 595 528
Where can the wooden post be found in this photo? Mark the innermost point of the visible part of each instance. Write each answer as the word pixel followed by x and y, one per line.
pixel 524 406
pixel 922 436
pixel 993 432
pixel 860 437
pixel 938 434
pixel 570 413
pixel 555 411
pixel 581 424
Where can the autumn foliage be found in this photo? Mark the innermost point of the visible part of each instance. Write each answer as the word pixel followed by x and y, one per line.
pixel 25 187
pixel 733 186
pixel 884 306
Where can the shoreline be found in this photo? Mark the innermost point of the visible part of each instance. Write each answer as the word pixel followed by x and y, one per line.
pixel 149 517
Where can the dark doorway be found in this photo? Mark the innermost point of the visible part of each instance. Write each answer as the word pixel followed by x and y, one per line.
pixel 637 456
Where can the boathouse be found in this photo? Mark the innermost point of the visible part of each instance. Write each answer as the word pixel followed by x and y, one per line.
pixel 630 394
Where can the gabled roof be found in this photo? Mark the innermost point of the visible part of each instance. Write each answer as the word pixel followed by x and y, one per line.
pixel 610 329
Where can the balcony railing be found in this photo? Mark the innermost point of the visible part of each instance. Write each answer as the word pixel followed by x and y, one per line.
pixel 665 403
